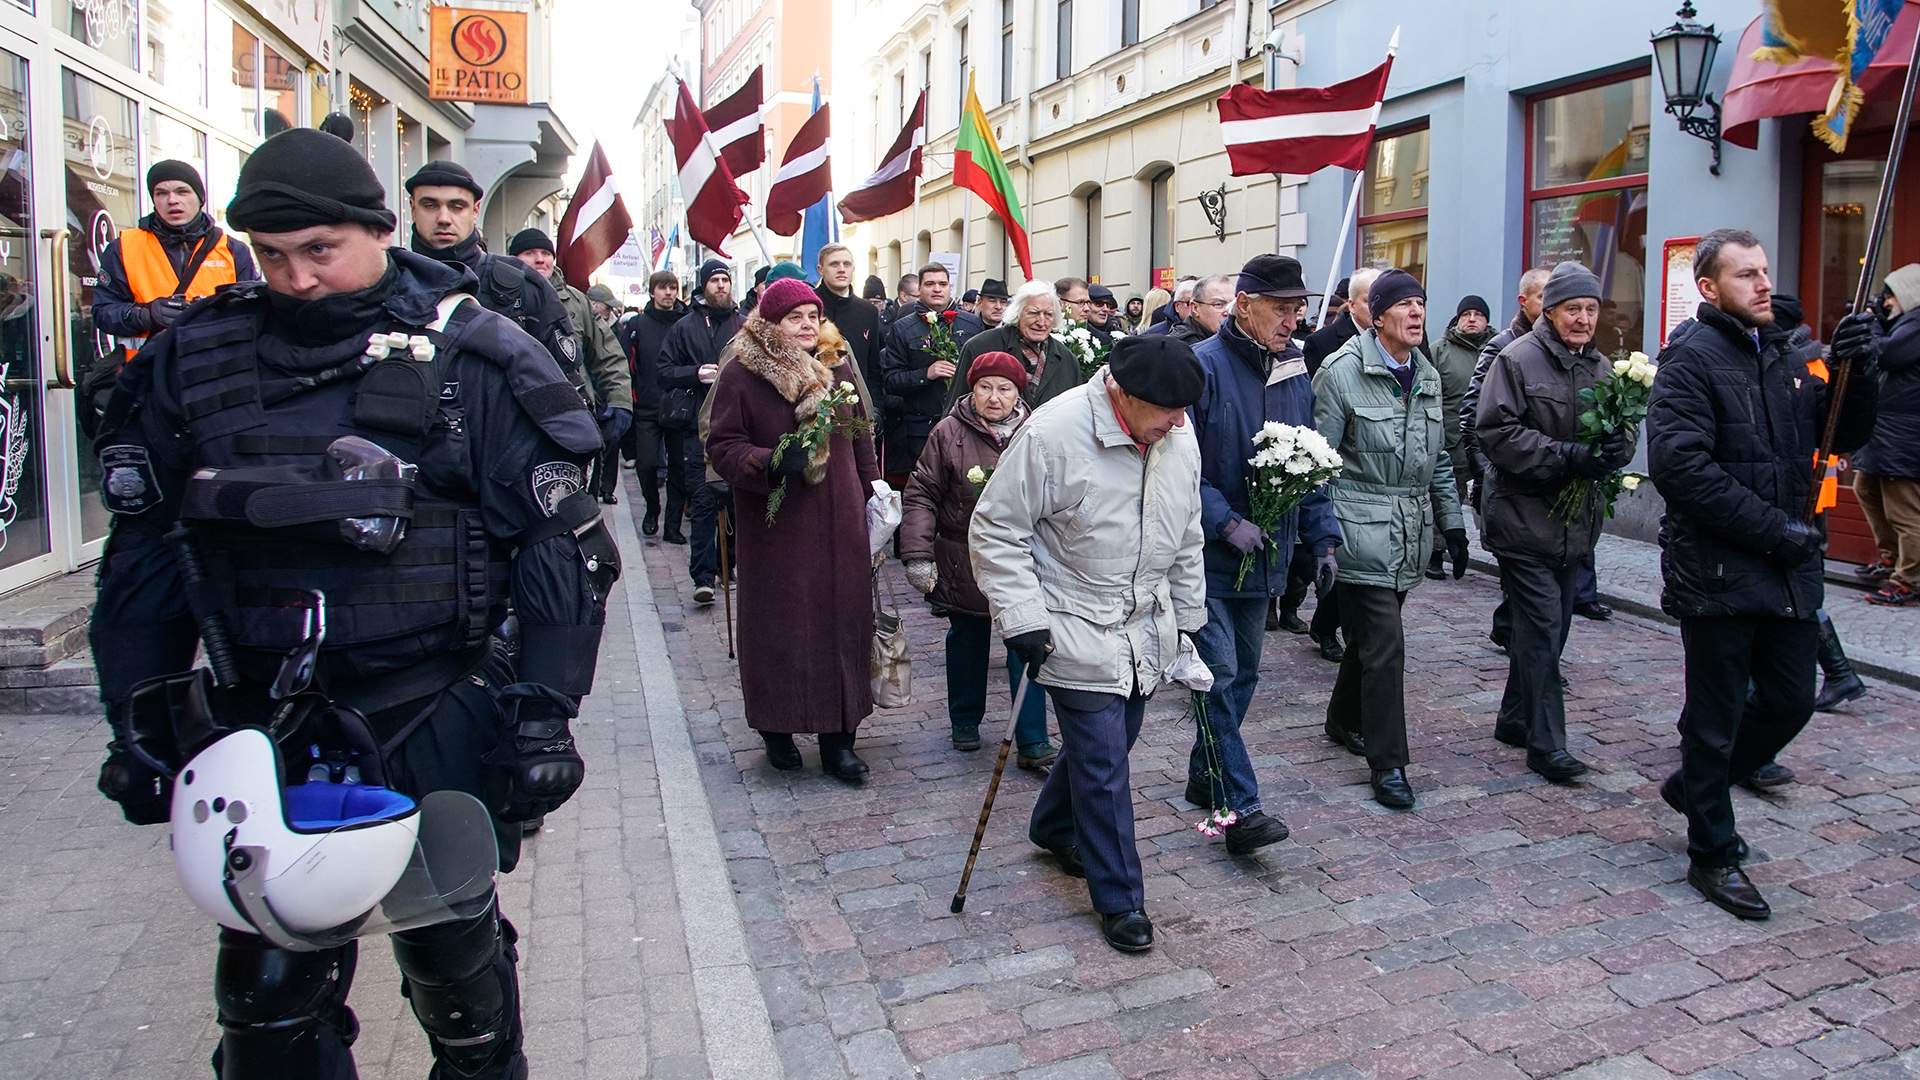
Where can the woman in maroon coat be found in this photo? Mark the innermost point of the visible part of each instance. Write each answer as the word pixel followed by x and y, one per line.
pixel 806 602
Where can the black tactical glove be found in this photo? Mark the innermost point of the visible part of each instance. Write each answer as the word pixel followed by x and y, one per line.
pixel 614 424
pixel 145 794
pixel 1326 571
pixel 1032 648
pixel 1800 543
pixel 1858 340
pixel 790 462
pixel 543 769
pixel 163 311
pixel 1457 551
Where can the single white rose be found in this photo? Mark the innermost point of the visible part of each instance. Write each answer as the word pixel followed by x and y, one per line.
pixel 1638 357
pixel 1621 367
pixel 1629 482
pixel 976 475
pixel 930 317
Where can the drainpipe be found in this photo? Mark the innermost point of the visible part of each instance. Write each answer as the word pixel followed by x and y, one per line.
pixel 1282 43
pixel 1238 31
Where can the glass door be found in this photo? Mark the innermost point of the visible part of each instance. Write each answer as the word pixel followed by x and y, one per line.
pixel 26 541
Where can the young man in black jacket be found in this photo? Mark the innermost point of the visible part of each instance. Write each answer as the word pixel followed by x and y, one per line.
pixel 689 362
pixel 646 335
pixel 1732 430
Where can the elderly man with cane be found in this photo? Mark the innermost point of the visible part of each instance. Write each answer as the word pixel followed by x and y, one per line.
pixel 1087 544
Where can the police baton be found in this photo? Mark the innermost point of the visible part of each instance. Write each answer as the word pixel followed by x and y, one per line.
pixel 993 786
pixel 206 607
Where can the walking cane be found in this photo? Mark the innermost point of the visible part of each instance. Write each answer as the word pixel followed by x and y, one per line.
pixel 726 581
pixel 993 789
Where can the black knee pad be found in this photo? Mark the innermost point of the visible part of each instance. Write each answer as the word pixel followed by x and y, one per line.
pixel 465 992
pixel 283 1014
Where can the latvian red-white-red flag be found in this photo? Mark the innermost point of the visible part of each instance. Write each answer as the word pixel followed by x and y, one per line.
pixel 805 176
pixel 595 224
pixel 714 201
pixel 890 189
pixel 739 129
pixel 1304 129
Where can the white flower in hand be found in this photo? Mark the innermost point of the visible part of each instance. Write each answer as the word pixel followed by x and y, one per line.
pixel 976 475
pixel 1630 482
pixel 846 388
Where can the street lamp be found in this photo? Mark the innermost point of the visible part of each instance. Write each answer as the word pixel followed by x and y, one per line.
pixel 1684 53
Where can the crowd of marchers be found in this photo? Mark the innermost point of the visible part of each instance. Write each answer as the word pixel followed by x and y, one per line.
pixel 1090 530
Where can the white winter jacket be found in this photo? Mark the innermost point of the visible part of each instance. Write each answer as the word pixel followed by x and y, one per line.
pixel 1079 533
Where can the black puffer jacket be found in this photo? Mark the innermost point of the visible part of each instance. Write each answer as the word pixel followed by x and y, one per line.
pixel 1731 431
pixel 1894 449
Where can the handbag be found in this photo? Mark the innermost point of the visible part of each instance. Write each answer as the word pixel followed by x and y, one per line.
pixel 889 671
pixel 679 409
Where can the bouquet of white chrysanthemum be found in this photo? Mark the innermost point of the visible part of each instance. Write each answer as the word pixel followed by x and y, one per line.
pixel 1087 347
pixel 1616 403
pixel 1288 464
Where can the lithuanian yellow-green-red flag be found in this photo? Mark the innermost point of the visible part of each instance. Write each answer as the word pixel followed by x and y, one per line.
pixel 978 167
pixel 1847 32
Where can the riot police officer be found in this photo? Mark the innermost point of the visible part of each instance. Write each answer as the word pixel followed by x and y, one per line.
pixel 222 426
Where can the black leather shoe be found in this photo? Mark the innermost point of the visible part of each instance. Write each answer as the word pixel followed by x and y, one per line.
pixel 1558 766
pixel 1594 610
pixel 1729 889
pixel 1771 775
pixel 1330 647
pixel 1128 931
pixel 1676 799
pixel 839 760
pixel 781 753
pixel 1069 859
pixel 1511 738
pixel 1391 790
pixel 650 523
pixel 1355 742
pixel 610 499
pixel 1292 623
pixel 1436 569
pixel 1255 830
pixel 673 535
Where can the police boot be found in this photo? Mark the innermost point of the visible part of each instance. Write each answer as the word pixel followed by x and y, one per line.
pixel 460 978
pixel 283 1015
pixel 1841 684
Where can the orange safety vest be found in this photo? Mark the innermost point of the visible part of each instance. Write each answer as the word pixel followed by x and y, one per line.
pixel 1830 482
pixel 150 274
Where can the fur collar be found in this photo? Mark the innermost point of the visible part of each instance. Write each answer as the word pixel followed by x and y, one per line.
pixel 800 378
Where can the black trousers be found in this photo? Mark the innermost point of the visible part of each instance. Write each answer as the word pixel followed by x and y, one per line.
pixel 641 446
pixel 1369 696
pixel 684 466
pixel 1586 590
pixel 1724 733
pixel 1539 600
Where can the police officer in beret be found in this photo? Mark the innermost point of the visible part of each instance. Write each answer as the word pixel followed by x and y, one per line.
pixel 227 428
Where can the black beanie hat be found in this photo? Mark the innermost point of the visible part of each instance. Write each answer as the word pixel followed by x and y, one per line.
pixel 875 289
pixel 1471 302
pixel 1788 311
pixel 301 178
pixel 176 170
pixel 1390 288
pixel 445 174
pixel 708 269
pixel 1159 370
pixel 529 240
pixel 338 125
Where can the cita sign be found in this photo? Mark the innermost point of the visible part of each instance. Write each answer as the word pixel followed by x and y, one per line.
pixel 478 55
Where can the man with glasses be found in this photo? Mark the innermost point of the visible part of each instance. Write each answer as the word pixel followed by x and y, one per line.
pixel 1212 297
pixel 1074 297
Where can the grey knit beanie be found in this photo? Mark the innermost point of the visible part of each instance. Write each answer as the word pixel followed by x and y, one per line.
pixel 1571 281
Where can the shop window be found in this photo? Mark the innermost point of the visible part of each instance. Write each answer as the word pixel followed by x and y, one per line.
pixel 280 80
pixel 1393 202
pixel 223 176
pixel 111 26
pixel 23 504
pixel 1587 194
pixel 169 138
pixel 363 102
pixel 1160 224
pixel 176 51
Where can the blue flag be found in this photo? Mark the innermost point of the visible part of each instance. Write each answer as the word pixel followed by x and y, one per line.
pixel 820 226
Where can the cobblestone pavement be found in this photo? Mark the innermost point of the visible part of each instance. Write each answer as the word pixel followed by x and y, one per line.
pixel 106 970
pixel 1506 928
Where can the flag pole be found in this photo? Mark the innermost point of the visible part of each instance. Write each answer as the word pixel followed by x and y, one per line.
pixel 1353 205
pixel 1876 236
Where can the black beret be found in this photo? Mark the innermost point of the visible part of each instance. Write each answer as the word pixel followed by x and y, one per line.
pixel 445 174
pixel 302 178
pixel 529 240
pixel 1159 370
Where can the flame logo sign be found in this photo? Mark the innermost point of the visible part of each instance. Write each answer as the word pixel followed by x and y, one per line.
pixel 479 40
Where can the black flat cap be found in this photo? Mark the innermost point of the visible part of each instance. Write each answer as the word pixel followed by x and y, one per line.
pixel 445 174
pixel 1160 370
pixel 1100 294
pixel 1278 276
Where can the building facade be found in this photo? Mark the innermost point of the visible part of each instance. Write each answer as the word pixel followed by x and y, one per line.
pixel 93 92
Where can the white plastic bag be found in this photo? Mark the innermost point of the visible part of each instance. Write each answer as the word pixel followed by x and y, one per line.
pixel 1188 669
pixel 883 517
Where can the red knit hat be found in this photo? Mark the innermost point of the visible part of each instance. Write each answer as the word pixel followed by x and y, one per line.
pixel 1002 364
pixel 783 296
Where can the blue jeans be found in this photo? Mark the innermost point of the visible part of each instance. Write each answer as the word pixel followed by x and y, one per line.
pixel 969 651
pixel 1087 801
pixel 1230 645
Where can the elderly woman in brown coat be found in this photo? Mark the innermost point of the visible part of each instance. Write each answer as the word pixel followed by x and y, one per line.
pixel 806 613
pixel 961 452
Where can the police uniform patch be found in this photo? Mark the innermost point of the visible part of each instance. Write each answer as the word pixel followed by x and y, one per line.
pixel 570 348
pixel 553 482
pixel 128 484
pixel 450 391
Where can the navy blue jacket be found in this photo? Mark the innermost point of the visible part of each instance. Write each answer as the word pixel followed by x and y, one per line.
pixel 1235 401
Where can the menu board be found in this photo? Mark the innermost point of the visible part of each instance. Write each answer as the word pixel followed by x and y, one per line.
pixel 1679 293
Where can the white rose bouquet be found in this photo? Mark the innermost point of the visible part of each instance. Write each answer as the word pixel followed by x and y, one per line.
pixel 1289 463
pixel 1087 347
pixel 828 421
pixel 1615 404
